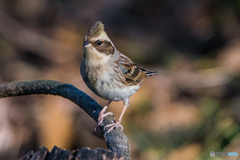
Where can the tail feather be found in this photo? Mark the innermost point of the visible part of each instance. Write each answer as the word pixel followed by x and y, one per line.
pixel 148 72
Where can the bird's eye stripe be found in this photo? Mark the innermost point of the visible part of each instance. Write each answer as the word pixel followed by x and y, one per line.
pixel 104 46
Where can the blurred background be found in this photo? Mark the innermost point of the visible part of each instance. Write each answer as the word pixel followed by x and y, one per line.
pixel 190 108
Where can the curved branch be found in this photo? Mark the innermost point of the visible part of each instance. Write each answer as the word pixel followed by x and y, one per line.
pixel 116 141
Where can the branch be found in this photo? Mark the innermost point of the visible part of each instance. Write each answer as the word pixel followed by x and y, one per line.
pixel 83 153
pixel 116 141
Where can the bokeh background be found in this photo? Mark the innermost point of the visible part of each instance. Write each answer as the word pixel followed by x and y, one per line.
pixel 190 108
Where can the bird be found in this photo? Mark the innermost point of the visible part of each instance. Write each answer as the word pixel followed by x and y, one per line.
pixel 108 73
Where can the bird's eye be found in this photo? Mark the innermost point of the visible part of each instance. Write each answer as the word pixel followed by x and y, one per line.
pixel 99 42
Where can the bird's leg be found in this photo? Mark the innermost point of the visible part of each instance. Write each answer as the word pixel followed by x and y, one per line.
pixel 102 115
pixel 118 123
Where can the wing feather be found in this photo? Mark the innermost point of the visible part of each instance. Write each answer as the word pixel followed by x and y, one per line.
pixel 133 73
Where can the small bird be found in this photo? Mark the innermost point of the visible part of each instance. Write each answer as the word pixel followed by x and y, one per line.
pixel 108 73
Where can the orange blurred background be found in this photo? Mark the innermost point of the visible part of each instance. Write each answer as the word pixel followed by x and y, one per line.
pixel 189 109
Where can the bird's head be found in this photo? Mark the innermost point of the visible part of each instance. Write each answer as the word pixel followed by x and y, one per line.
pixel 96 41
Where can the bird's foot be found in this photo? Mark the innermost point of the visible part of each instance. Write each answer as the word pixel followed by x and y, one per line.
pixel 117 124
pixel 100 118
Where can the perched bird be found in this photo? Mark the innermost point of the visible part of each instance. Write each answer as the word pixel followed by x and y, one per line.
pixel 108 73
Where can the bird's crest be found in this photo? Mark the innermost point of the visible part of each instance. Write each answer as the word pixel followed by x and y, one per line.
pixel 96 30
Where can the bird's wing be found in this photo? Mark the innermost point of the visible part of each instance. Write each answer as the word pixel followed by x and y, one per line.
pixel 132 72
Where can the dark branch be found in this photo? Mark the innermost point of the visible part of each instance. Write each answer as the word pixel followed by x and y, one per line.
pixel 116 141
pixel 83 153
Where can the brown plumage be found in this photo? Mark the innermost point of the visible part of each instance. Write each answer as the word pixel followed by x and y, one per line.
pixel 95 30
pixel 133 73
pixel 105 48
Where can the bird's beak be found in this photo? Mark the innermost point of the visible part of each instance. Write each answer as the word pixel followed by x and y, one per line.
pixel 87 44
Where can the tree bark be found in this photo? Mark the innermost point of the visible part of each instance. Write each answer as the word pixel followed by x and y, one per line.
pixel 62 154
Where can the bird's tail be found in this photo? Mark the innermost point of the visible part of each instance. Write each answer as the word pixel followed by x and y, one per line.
pixel 148 72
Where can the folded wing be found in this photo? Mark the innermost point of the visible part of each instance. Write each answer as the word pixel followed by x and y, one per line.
pixel 133 73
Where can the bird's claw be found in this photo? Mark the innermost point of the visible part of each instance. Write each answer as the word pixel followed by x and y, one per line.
pixel 100 119
pixel 117 124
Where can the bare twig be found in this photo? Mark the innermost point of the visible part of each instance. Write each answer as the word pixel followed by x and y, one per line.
pixel 116 141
